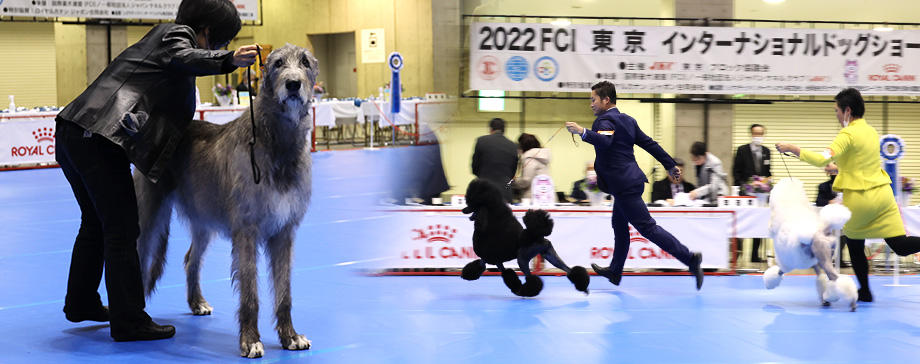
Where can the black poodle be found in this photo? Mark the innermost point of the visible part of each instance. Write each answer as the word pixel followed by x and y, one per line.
pixel 498 237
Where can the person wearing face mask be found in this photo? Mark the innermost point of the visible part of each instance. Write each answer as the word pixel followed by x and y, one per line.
pixel 135 112
pixel 669 186
pixel 578 192
pixel 752 160
pixel 865 185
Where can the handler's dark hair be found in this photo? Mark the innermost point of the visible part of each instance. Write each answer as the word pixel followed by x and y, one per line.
pixel 605 89
pixel 698 149
pixel 850 97
pixel 218 16
pixel 497 124
pixel 527 142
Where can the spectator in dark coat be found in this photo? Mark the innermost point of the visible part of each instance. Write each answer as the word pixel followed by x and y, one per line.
pixel 495 158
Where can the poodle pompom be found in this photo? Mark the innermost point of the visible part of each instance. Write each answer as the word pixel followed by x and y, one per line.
pixel 531 287
pixel 473 270
pixel 835 215
pixel 772 277
pixel 846 289
pixel 579 277
pixel 538 222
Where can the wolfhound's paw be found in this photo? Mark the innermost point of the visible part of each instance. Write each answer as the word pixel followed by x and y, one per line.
pixel 297 342
pixel 201 308
pixel 252 350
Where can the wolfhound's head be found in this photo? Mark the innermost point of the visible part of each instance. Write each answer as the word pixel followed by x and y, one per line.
pixel 290 73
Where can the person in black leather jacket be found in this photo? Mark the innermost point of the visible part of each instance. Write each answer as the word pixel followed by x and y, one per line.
pixel 134 112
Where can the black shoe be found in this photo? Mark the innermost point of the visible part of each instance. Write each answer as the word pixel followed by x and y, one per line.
pixel 756 260
pixel 695 268
pixel 864 295
pixel 147 331
pixel 612 276
pixel 99 315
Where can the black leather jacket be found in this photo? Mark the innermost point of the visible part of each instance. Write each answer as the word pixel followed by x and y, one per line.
pixel 145 98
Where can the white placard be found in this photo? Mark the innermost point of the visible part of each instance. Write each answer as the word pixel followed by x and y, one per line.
pixel 27 141
pixel 121 9
pixel 373 46
pixel 693 60
pixel 542 192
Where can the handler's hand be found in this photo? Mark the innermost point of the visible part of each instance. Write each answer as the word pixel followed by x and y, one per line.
pixel 245 55
pixel 574 128
pixel 675 172
pixel 784 148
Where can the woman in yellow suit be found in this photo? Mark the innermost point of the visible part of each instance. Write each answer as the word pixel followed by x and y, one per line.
pixel 866 187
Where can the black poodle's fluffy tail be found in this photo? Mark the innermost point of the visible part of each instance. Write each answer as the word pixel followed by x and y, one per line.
pixel 538 223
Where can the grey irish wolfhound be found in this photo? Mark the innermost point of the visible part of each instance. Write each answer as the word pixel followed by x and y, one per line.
pixel 211 184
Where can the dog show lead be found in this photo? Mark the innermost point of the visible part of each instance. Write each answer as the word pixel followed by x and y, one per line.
pixel 135 112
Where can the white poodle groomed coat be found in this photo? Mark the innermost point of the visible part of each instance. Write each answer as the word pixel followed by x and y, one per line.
pixel 803 238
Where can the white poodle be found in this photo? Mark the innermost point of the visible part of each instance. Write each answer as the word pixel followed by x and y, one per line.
pixel 803 238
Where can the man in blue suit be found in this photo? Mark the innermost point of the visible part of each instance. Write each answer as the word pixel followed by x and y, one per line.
pixel 613 135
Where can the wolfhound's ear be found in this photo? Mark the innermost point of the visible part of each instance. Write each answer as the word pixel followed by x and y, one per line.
pixel 311 63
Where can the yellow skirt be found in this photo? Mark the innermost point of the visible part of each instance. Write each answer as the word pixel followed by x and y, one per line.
pixel 875 214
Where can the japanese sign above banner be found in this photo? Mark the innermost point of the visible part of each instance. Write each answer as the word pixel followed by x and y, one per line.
pixel 693 60
pixel 111 9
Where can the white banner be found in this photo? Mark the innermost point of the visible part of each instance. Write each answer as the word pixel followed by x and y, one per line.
pixel 121 9
pixel 693 60
pixel 444 239
pixel 28 137
pixel 27 141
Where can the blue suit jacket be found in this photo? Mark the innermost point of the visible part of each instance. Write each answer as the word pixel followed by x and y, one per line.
pixel 615 162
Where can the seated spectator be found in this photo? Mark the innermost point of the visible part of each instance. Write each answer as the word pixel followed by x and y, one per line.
pixel 578 192
pixel 668 187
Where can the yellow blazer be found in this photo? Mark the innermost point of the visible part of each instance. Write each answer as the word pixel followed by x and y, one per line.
pixel 856 152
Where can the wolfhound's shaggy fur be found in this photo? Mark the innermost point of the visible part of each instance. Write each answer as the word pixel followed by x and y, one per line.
pixel 211 184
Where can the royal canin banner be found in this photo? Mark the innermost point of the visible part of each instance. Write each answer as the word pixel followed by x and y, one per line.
pixel 444 239
pixel 693 60
pixel 27 142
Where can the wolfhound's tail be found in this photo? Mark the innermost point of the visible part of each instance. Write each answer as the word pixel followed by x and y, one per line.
pixel 154 212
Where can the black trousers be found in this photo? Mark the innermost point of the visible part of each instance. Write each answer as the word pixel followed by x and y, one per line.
pixel 901 245
pixel 100 175
pixel 629 208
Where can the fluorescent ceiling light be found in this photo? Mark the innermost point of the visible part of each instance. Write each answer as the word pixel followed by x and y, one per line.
pixel 491 100
pixel 561 23
pixel 883 29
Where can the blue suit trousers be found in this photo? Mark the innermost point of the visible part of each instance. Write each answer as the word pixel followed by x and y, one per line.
pixel 629 208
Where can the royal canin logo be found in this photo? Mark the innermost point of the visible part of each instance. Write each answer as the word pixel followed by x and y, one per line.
pixel 640 248
pixel 435 233
pixel 30 151
pixel 891 74
pixel 43 135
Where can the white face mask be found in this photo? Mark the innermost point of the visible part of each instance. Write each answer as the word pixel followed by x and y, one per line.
pixel 757 140
pixel 591 176
pixel 846 121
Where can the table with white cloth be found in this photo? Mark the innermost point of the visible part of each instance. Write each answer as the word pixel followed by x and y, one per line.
pixel 441 237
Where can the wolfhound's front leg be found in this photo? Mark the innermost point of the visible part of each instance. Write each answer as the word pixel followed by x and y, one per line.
pixel 245 277
pixel 196 302
pixel 279 253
